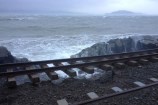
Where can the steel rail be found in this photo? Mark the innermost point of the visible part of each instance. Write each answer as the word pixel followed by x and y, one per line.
pixel 16 73
pixel 114 94
pixel 72 59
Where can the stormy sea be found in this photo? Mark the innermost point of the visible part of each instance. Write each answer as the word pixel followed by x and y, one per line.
pixel 40 37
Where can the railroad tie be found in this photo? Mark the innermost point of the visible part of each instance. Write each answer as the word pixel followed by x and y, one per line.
pixel 139 83
pixel 143 61
pixel 135 55
pixel 106 67
pixel 119 65
pixel 104 59
pixel 124 56
pixel 153 52
pixel 94 60
pixel 50 74
pixel 132 63
pixel 33 77
pixel 62 102
pixel 154 79
pixel 88 69
pixel 11 80
pixel 72 62
pixel 116 57
pixel 144 53
pixel 117 89
pixel 85 69
pixel 92 95
pixel 68 72
pixel 154 59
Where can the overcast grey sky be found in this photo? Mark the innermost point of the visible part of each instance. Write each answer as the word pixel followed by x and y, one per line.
pixel 79 6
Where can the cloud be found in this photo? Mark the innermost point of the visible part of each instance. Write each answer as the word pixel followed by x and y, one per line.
pixel 83 6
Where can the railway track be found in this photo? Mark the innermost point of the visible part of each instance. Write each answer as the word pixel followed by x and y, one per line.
pixel 86 64
pixel 117 91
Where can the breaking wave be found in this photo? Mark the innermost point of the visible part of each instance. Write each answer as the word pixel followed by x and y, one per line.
pixel 56 47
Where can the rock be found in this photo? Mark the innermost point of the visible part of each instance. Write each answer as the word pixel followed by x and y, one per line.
pixel 21 60
pixel 95 50
pixel 147 42
pixel 119 45
pixel 7 57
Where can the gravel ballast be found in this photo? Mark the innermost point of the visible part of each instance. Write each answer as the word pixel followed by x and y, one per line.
pixel 74 90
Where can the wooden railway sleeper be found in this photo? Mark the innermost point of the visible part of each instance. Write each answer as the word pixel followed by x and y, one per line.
pixel 88 69
pixel 67 71
pixel 11 80
pixel 34 77
pixel 50 74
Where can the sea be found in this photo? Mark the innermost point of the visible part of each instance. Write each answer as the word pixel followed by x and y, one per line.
pixel 42 37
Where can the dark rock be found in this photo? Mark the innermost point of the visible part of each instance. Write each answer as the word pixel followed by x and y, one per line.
pixel 7 57
pixel 119 45
pixel 147 42
pixel 21 60
pixel 95 50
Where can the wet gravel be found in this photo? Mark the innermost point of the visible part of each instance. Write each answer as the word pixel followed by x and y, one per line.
pixel 74 90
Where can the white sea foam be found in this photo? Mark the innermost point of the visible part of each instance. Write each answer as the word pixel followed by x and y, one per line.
pixel 53 47
pixel 47 37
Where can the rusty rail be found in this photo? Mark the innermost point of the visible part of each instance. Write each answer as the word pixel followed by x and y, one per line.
pixel 74 59
pixel 16 73
pixel 114 94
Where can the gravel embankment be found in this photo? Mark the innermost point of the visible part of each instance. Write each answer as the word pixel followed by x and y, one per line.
pixel 74 90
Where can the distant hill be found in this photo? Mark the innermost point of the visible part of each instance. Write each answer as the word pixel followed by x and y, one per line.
pixel 123 13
